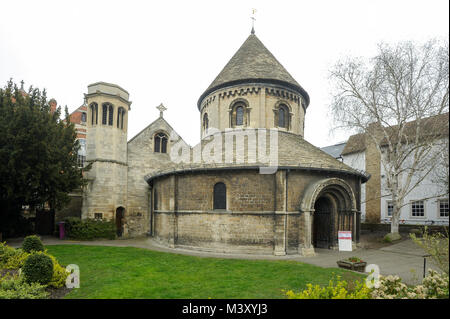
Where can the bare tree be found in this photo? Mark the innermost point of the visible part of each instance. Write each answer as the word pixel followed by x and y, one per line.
pixel 441 173
pixel 398 99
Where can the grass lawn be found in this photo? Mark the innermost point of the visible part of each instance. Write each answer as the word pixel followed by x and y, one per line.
pixel 127 272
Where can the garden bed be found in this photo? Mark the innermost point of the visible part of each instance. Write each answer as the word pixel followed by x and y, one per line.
pixel 30 272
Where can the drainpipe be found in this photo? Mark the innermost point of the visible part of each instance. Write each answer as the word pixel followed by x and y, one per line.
pixel 150 210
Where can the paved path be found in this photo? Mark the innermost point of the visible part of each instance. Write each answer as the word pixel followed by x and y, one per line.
pixel 403 259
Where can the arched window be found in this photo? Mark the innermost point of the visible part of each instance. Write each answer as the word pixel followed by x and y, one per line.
pixel 83 117
pixel 120 115
pixel 282 116
pixel 160 143
pixel 94 112
pixel 104 113
pixel 107 118
pixel 111 114
pixel 205 121
pixel 220 196
pixel 239 115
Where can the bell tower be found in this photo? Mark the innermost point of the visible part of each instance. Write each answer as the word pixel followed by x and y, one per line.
pixel 107 124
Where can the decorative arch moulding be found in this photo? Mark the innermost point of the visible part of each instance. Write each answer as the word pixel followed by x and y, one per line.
pixel 239 92
pixel 209 101
pixel 284 94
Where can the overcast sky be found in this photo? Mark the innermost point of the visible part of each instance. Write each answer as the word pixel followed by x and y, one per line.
pixel 170 51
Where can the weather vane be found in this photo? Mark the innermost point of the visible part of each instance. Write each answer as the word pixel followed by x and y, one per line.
pixel 253 20
pixel 161 109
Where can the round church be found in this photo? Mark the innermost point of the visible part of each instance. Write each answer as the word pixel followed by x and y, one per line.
pixel 251 185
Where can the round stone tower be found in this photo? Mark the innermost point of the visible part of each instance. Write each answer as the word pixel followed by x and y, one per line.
pixel 107 124
pixel 253 91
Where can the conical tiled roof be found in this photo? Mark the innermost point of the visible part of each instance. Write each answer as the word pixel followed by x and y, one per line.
pixel 254 63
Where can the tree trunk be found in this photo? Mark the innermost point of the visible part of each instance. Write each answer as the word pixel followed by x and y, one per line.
pixel 394 235
pixel 394 224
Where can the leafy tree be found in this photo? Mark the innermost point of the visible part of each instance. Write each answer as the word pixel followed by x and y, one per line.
pixel 38 153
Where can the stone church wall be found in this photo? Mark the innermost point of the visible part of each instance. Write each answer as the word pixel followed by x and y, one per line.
pixel 246 191
pixel 110 179
pixel 222 231
pixel 258 219
pixel 142 160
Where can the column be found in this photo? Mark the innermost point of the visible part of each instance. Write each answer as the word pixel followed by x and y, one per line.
pixel 307 249
pixel 280 214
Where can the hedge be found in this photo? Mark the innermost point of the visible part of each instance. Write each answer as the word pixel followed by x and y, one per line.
pixel 88 229
pixel 38 268
pixel 32 243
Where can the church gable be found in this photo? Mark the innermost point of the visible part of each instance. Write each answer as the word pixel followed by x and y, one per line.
pixel 148 151
pixel 151 147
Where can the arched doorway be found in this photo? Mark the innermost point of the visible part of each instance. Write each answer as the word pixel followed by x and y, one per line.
pixel 120 214
pixel 329 206
pixel 323 223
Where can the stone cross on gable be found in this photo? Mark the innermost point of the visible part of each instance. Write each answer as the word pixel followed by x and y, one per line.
pixel 161 109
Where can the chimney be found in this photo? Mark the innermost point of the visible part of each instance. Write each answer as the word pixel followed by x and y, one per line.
pixel 373 166
pixel 53 105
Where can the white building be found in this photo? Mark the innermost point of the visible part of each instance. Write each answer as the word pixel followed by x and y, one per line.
pixel 425 204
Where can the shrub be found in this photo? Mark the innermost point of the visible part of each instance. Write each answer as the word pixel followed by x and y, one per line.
pixel 17 288
pixel 5 253
pixel 16 260
pixel 433 286
pixel 32 243
pixel 436 245
pixel 88 229
pixel 59 276
pixel 391 287
pixel 38 268
pixel 338 290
